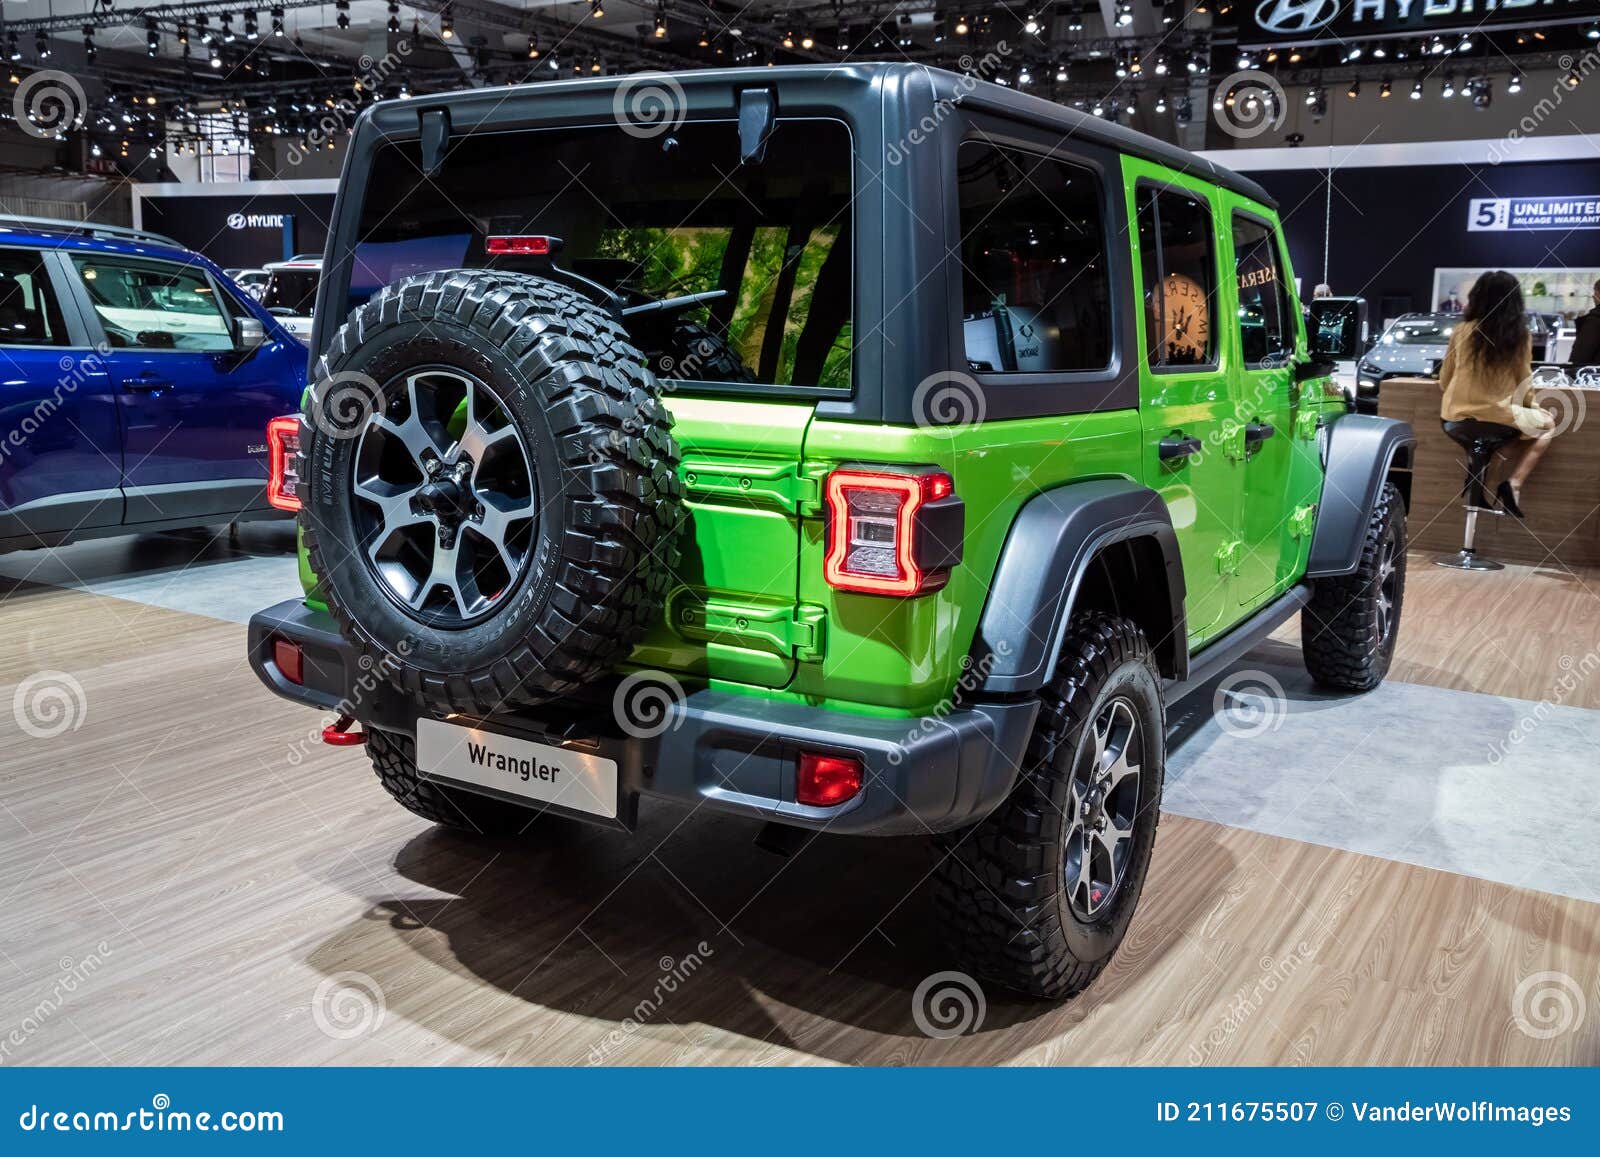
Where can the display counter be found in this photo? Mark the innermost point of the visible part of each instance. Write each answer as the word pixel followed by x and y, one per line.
pixel 1561 500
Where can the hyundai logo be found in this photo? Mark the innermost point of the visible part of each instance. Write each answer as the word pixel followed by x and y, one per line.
pixel 1292 17
pixel 235 220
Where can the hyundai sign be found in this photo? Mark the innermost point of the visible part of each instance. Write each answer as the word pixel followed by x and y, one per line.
pixel 1285 22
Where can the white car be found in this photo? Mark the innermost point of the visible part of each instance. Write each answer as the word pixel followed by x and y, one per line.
pixel 291 293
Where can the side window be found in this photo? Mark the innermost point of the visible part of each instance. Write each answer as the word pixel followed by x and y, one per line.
pixel 1177 253
pixel 153 305
pixel 29 315
pixel 1265 332
pixel 1035 288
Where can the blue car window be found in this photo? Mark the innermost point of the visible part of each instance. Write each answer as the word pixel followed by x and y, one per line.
pixel 154 304
pixel 29 315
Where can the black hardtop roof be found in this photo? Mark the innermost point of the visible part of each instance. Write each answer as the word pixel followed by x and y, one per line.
pixel 981 94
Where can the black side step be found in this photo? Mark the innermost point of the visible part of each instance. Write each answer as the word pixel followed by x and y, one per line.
pixel 1218 655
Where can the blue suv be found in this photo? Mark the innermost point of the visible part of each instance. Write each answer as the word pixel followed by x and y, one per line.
pixel 136 384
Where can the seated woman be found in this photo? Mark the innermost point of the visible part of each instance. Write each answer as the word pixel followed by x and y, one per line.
pixel 1487 375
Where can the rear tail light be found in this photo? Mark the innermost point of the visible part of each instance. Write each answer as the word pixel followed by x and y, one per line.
pixel 891 533
pixel 283 448
pixel 827 780
pixel 289 660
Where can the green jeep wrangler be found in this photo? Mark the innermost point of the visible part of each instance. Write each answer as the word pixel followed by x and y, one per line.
pixel 861 449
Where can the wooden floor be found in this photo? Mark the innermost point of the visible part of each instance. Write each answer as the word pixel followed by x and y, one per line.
pixel 188 877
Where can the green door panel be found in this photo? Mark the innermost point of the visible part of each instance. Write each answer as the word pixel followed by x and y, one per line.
pixel 1203 492
pixel 734 615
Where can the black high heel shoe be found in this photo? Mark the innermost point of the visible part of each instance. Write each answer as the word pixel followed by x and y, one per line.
pixel 1508 500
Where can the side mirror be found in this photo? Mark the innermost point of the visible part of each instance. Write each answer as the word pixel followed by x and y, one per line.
pixel 248 333
pixel 1338 328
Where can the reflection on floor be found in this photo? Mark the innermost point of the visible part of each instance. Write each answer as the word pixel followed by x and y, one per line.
pixel 205 572
pixel 224 889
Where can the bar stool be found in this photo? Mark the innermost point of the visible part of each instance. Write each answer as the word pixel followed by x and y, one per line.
pixel 1480 440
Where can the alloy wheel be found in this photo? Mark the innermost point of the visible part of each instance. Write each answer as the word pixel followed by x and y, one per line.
pixel 1104 800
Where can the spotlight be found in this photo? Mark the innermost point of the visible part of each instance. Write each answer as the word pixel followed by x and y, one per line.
pixel 1124 13
pixel 1161 102
pixel 962 27
pixel 1482 93
pixel 807 41
pixel 277 22
pixel 1416 90
pixel 12 51
pixel 788 40
pixel 661 26
pixel 227 29
pixel 393 24
pixel 342 20
pixel 152 38
pixel 1465 44
pixel 1386 89
pixel 41 47
pixel 842 37
pixel 1160 65
pixel 447 25
pixel 1061 74
pixel 597 9
pixel 1449 89
pixel 1573 78
pixel 705 37
pixel 1354 90
pixel 252 27
pixel 1031 25
pixel 1514 85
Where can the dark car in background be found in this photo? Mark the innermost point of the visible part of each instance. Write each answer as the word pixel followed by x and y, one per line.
pixel 136 383
pixel 1412 347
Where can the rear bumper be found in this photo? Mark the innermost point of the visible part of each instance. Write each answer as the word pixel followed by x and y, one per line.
pixel 720 750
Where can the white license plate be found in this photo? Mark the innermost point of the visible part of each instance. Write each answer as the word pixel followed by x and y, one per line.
pixel 520 767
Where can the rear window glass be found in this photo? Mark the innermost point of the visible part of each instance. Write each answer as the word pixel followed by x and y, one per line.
pixel 655 219
pixel 292 289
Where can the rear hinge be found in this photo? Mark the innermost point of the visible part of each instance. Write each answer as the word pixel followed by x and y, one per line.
pixel 781 485
pixel 1229 557
pixel 798 631
pixel 1234 446
pixel 1303 520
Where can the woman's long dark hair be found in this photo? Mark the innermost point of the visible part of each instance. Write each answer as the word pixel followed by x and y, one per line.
pixel 1500 333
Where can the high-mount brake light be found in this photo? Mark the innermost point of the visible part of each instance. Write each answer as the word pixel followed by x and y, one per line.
pixel 536 245
pixel 283 448
pixel 891 533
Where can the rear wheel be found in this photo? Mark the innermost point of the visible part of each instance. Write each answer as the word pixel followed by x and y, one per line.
pixel 1349 628
pixel 394 758
pixel 1038 896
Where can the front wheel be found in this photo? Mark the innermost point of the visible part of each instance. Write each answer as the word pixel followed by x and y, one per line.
pixel 1038 896
pixel 1348 629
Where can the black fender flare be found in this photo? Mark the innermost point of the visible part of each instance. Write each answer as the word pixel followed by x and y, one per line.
pixel 1055 537
pixel 1359 452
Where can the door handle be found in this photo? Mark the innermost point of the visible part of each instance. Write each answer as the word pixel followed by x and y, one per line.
pixel 146 385
pixel 1178 446
pixel 1256 433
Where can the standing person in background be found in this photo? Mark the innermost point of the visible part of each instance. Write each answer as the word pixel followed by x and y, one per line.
pixel 1322 289
pixel 1487 375
pixel 1586 343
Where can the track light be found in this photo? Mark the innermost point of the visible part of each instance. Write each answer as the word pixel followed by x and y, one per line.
pixel 227 29
pixel 41 47
pixel 807 41
pixel 1386 89
pixel 1416 90
pixel 597 9
pixel 962 27
pixel 1514 85
pixel 252 27
pixel 277 22
pixel 12 51
pixel 660 32
pixel 1449 89
pixel 342 20
pixel 1031 24
pixel 1354 90
pixel 1482 93
pixel 533 47
pixel 393 24
pixel 1124 13
pixel 447 25
pixel 152 38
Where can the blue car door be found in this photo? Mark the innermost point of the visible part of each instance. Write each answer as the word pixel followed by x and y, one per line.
pixel 60 442
pixel 194 409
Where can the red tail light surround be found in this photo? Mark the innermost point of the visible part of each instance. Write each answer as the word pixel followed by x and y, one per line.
pixel 891 533
pixel 284 472
pixel 283 449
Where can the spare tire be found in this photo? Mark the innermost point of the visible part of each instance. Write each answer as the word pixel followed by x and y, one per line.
pixel 491 490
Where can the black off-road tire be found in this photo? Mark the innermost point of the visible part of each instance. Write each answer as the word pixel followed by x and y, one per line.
pixel 1340 633
pixel 1000 886
pixel 697 354
pixel 601 453
pixel 394 758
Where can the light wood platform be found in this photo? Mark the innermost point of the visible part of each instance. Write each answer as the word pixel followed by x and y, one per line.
pixel 221 867
pixel 1561 500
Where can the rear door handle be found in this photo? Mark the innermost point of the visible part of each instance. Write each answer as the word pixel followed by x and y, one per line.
pixel 1179 446
pixel 1256 433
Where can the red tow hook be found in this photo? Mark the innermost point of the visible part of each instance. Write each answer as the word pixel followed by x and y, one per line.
pixel 338 733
